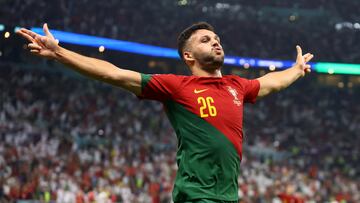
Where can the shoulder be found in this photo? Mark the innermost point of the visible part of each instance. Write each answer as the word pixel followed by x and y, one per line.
pixel 165 76
pixel 168 78
pixel 171 81
pixel 240 81
pixel 236 78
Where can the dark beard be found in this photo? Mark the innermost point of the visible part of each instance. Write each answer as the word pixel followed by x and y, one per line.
pixel 211 62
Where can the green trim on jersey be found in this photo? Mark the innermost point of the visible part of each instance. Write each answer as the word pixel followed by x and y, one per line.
pixel 145 78
pixel 208 162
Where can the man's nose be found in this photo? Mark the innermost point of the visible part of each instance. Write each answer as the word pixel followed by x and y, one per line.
pixel 215 44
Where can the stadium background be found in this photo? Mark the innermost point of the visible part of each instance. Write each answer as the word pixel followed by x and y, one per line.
pixel 66 138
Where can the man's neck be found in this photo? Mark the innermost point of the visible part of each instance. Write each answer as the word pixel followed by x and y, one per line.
pixel 207 73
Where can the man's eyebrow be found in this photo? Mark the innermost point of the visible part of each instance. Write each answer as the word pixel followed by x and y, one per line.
pixel 204 36
pixel 208 36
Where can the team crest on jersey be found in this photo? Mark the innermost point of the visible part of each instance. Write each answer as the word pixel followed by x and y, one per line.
pixel 234 93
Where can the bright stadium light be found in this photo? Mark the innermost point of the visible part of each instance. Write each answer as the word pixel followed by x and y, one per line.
pixel 292 17
pixel 101 48
pixel 182 2
pixel 272 67
pixel 16 29
pixel 246 65
pixel 2 27
pixel 357 26
pixel 7 35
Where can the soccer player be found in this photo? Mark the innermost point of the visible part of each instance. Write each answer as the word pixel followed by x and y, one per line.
pixel 205 109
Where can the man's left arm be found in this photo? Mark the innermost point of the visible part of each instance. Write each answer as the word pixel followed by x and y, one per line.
pixel 276 81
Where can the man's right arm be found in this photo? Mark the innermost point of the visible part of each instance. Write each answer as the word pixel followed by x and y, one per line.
pixel 46 46
pixel 100 70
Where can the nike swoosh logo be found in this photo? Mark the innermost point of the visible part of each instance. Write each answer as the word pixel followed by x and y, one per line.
pixel 199 91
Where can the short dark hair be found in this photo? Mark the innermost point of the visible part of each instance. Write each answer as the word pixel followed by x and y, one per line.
pixel 186 34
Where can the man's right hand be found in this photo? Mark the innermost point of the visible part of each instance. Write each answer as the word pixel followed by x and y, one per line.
pixel 45 46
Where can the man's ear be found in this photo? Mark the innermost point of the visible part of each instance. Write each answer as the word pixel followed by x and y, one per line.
pixel 188 56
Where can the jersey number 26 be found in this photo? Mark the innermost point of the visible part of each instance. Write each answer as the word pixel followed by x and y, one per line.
pixel 206 107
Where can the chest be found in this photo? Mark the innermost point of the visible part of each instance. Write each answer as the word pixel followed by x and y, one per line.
pixel 215 101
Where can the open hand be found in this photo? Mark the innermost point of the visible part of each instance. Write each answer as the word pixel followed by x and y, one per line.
pixel 302 60
pixel 45 46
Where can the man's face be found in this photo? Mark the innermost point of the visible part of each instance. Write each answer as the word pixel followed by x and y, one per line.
pixel 205 47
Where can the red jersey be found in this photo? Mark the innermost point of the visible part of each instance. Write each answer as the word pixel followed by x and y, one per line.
pixel 207 115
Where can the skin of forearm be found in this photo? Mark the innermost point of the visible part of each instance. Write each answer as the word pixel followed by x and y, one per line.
pixel 283 79
pixel 91 67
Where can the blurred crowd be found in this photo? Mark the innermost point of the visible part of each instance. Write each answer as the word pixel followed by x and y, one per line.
pixel 266 29
pixel 69 139
pixel 324 119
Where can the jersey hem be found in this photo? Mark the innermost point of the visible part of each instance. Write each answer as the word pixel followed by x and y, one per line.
pixel 214 198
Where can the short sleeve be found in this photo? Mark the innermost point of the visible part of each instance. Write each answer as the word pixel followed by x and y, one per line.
pixel 160 87
pixel 251 90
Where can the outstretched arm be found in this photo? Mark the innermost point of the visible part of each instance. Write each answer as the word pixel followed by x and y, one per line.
pixel 47 47
pixel 276 81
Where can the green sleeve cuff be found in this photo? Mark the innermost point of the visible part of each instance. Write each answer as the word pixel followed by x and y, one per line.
pixel 145 78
